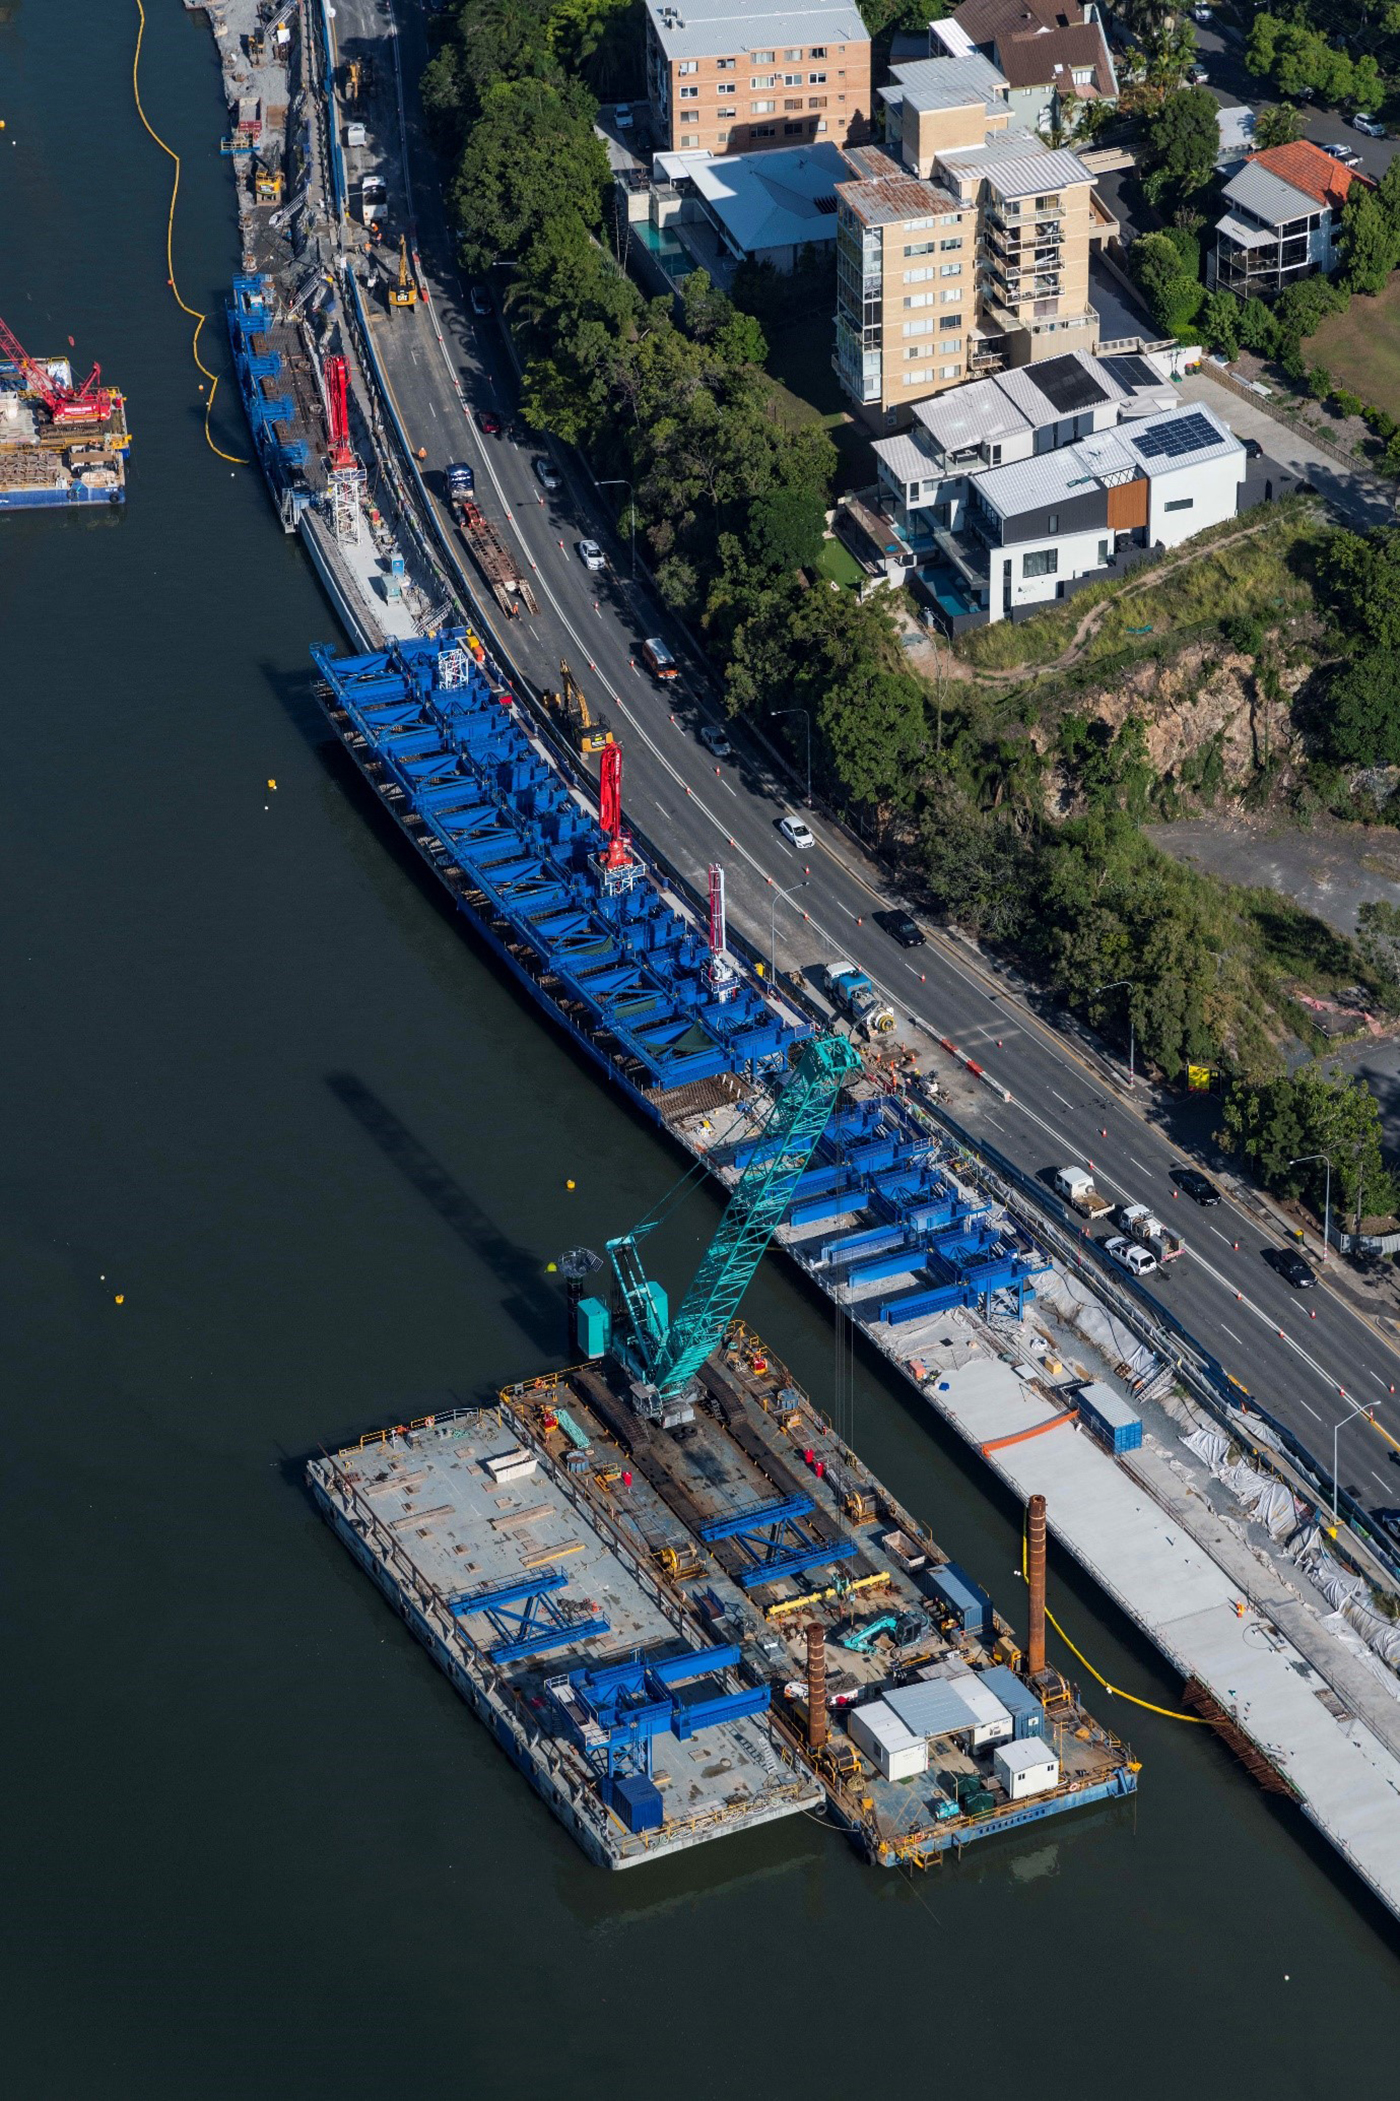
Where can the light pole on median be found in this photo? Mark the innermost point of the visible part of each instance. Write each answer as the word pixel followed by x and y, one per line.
pixel 1326 1200
pixel 617 482
pixel 778 897
pixel 1361 1408
pixel 807 718
pixel 1121 985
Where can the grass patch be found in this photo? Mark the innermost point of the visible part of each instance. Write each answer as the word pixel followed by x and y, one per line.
pixel 1361 348
pixel 1256 576
pixel 838 565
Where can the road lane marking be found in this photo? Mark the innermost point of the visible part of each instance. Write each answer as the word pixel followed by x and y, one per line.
pixel 1379 1477
pixel 1137 1163
pixel 1232 1335
pixel 1060 1098
pixel 1223 1236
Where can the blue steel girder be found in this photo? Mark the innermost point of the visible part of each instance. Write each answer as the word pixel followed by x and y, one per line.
pixel 793 1564
pixel 524 1617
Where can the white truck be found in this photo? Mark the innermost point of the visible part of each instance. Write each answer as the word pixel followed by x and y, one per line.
pixel 853 995
pixel 1149 1232
pixel 1076 1186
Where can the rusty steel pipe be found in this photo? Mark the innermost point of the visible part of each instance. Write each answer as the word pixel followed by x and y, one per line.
pixel 1035 1577
pixel 816 1685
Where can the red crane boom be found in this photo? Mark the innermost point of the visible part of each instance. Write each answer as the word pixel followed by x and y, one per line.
pixel 88 403
pixel 619 854
pixel 338 410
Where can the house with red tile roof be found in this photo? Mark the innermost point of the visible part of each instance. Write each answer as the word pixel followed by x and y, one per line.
pixel 1283 215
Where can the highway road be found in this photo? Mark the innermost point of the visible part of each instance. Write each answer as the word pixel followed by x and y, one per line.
pixel 1050 1099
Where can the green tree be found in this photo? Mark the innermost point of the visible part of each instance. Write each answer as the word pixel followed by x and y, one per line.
pixel 1362 720
pixel 601 41
pixel 1360 578
pixel 1370 241
pixel 1220 322
pixel 1277 124
pixel 1271 1123
pixel 1259 330
pixel 1301 308
pixel 1174 296
pixel 532 156
pixel 1183 138
pixel 785 528
pixel 874 725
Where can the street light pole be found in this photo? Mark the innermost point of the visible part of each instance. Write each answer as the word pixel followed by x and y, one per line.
pixel 807 718
pixel 778 897
pixel 617 482
pixel 1121 985
pixel 1361 1408
pixel 1303 1161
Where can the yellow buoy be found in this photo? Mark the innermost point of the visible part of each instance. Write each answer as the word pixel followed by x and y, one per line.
pixel 121 1298
pixel 569 1185
pixel 272 784
pixel 550 1268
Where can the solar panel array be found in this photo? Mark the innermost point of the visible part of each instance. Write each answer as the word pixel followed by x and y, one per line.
pixel 1168 441
pixel 1066 385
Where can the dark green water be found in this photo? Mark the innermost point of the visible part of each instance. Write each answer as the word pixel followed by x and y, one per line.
pixel 259 1084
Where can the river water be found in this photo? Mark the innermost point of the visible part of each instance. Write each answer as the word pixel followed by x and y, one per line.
pixel 286 1159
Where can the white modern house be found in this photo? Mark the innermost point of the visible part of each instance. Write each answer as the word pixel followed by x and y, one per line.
pixel 1031 529
pixel 1282 219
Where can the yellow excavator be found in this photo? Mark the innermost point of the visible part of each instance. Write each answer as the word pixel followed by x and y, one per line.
pixel 585 730
pixel 405 292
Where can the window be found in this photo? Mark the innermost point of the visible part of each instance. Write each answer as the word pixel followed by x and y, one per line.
pixel 816 102
pixel 918 248
pixel 688 65
pixel 724 65
pixel 952 296
pixel 816 80
pixel 1045 563
pixel 761 109
pixel 949 269
pixel 762 131
pixel 1180 503
pixel 792 102
pixel 917 350
pixel 916 277
pixel 1082 76
pixel 1052 522
pixel 949 371
pixel 689 94
pixel 817 51
pixel 690 138
pixel 918 328
pixel 994 455
pixel 821 124
pixel 919 299
pixel 722 137
pixel 917 379
pixel 950 320
pixel 725 87
pixel 1103 554
pixel 948 246
pixel 793 130
pixel 1047 204
pixel 949 219
pixel 797 53
pixel 949 343
pixel 763 80
pixel 792 80
pixel 761 58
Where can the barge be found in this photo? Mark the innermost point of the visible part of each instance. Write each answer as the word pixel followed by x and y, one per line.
pixel 60 445
pixel 609 1597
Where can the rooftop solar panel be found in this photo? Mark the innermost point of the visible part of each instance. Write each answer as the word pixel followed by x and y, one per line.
pixel 1066 385
pixel 1131 372
pixel 1163 441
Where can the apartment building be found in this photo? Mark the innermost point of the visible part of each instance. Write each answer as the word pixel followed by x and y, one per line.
pixel 962 246
pixel 1282 220
pixel 1035 529
pixel 725 80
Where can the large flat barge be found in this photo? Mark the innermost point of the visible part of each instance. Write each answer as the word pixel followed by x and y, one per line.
pixel 678 1634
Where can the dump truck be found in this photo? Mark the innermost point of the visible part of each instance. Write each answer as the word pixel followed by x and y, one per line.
pixel 493 558
pixel 1149 1232
pixel 1076 1186
pixel 852 994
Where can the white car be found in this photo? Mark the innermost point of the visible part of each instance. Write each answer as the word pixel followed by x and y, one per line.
pixel 622 116
pixel 547 476
pixel 1197 76
pixel 1347 155
pixel 797 832
pixel 1372 126
pixel 1202 14
pixel 590 554
pixel 715 741
pixel 1128 1255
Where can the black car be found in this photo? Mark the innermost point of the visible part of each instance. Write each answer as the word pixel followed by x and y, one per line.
pixel 1196 1185
pixel 1253 450
pixel 1389 1521
pixel 901 928
pixel 1291 1267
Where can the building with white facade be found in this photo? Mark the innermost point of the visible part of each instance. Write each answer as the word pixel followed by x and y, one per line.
pixel 1282 220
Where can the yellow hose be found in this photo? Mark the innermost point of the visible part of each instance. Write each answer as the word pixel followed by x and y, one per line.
pixel 234 458
pixel 1117 1691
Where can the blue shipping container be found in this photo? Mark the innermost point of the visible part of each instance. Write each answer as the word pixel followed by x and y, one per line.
pixel 1027 1714
pixel 964 1598
pixel 636 1800
pixel 1110 1418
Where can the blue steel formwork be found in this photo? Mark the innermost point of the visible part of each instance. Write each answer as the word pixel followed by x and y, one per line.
pixel 624 971
pixel 876 1161
pixel 626 1705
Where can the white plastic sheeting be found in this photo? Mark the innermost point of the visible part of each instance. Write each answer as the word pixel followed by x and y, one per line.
pixel 1115 1341
pixel 1348 1595
pixel 1267 1501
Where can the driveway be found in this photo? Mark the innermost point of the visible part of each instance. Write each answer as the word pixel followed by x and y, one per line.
pixel 1349 491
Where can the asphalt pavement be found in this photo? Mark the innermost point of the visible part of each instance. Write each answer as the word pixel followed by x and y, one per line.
pixel 1049 1098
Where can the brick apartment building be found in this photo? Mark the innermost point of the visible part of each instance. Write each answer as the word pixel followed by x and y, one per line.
pixel 734 81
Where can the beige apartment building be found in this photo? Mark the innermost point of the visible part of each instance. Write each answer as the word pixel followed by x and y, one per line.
pixel 727 81
pixel 962 247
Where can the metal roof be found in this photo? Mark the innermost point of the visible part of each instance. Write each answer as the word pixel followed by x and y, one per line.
pixel 1018 1699
pixel 714 28
pixel 906 459
pixel 1244 236
pixel 1274 201
pixel 1017 165
pixel 779 199
pixel 952 83
pixel 981 1702
pixel 1156 439
pixel 1033 485
pixel 970 414
pixel 892 198
pixel 933 1707
pixel 1026 1753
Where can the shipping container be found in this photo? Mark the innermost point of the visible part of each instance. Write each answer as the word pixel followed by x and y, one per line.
pixel 1109 1416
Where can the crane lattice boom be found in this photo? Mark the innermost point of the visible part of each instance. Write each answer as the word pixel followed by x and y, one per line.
pixel 88 403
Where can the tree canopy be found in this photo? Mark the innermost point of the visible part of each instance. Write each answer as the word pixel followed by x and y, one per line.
pixel 1183 139
pixel 1271 1123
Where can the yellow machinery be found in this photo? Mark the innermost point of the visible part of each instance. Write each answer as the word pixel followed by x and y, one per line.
pixel 680 1563
pixel 839 1762
pixel 267 184
pixel 354 80
pixel 585 730
pixel 405 292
